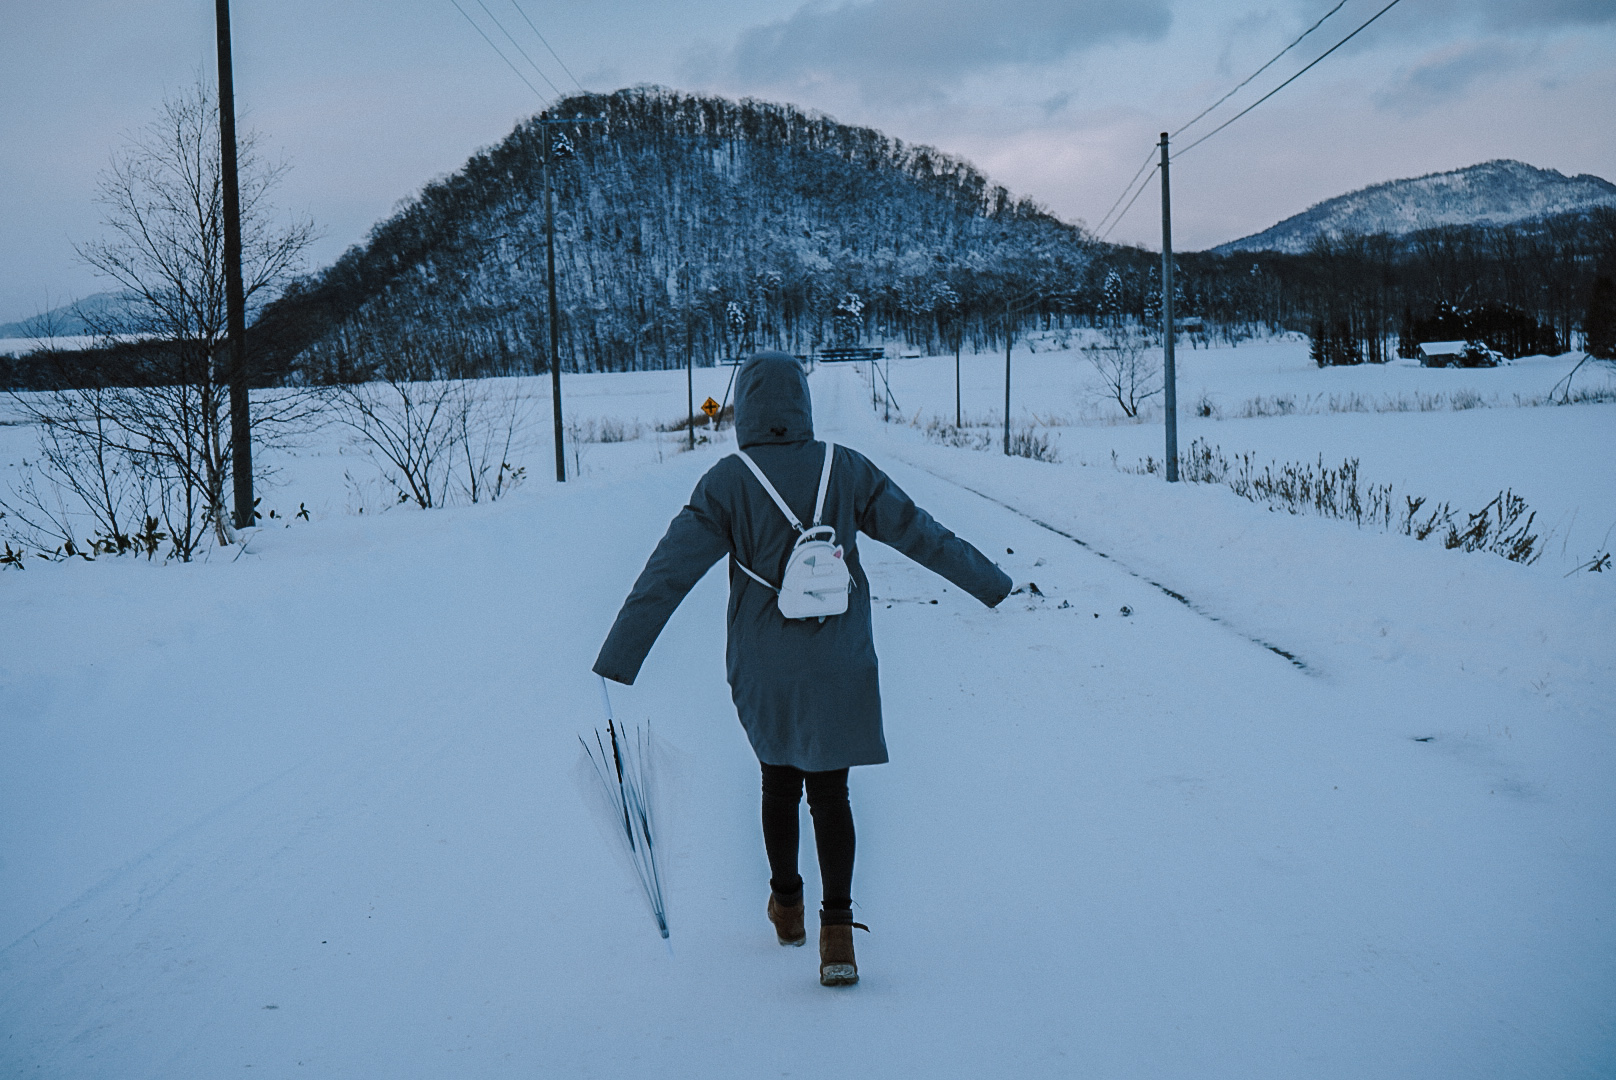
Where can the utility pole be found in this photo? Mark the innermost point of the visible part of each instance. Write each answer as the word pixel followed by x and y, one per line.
pixel 1009 339
pixel 555 329
pixel 690 382
pixel 1012 309
pixel 550 147
pixel 234 298
pixel 1169 377
pixel 958 420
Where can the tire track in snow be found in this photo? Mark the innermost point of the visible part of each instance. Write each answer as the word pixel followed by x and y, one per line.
pixel 839 407
pixel 1295 660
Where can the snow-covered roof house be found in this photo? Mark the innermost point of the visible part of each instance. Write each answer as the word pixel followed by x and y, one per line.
pixel 1457 354
pixel 1448 351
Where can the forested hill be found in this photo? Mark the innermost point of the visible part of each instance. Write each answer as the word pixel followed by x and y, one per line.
pixel 681 221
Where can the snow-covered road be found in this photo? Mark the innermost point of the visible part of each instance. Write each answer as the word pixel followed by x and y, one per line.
pixel 313 813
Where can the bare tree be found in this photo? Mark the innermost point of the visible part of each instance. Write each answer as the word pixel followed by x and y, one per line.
pixel 1129 372
pixel 410 426
pixel 163 198
pixel 491 419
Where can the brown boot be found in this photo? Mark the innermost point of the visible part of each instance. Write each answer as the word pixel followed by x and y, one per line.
pixel 837 966
pixel 787 920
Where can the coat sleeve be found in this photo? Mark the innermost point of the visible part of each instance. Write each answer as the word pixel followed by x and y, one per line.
pixel 892 517
pixel 697 538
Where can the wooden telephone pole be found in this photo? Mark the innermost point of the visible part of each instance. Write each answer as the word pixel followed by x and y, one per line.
pixel 234 298
pixel 551 145
pixel 1169 377
pixel 555 328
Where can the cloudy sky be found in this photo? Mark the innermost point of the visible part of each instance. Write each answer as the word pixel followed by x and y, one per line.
pixel 1056 99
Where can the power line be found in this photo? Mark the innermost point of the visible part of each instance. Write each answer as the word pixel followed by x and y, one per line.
pixel 517 46
pixel 1260 70
pixel 1131 201
pixel 1364 25
pixel 1151 154
pixel 1287 82
pixel 553 53
pixel 1125 189
pixel 515 70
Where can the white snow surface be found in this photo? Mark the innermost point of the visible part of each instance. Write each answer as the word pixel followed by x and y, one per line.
pixel 22 346
pixel 311 810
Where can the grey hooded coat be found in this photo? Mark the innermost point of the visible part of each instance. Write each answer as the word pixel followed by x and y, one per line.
pixel 807 691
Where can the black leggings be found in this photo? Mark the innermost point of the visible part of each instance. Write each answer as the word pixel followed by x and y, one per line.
pixel 833 834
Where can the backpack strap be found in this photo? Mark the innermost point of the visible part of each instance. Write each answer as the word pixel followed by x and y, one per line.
pixel 819 504
pixel 759 578
pixel 773 494
pixel 824 481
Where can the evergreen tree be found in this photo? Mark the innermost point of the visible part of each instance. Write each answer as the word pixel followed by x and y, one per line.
pixel 1599 324
pixel 1111 298
pixel 1408 343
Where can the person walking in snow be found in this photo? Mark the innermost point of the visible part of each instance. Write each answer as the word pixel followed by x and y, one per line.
pixel 806 689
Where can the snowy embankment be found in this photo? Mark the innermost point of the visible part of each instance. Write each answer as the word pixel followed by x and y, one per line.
pixel 313 806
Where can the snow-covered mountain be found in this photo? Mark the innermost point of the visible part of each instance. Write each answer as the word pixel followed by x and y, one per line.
pixel 69 320
pixel 1492 193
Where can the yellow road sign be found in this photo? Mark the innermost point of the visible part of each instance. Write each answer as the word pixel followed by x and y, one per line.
pixel 710 407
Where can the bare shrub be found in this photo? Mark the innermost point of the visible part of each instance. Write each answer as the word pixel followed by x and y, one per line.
pixel 965 438
pixel 1600 562
pixel 1025 441
pixel 1028 442
pixel 1272 405
pixel 409 426
pixel 1503 526
pixel 1350 403
pixel 608 429
pixel 437 440
pixel 114 463
pixel 1588 396
pixel 81 490
pixel 490 420
pixel 1454 401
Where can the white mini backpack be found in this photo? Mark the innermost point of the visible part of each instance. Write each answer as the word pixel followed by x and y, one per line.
pixel 816 581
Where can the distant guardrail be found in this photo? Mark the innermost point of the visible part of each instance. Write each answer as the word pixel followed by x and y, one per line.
pixel 850 353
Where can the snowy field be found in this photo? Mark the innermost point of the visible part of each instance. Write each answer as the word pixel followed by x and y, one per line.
pixel 22 346
pixel 312 810
pixel 1557 458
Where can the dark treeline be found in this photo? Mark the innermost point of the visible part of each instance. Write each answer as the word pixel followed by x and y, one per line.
pixel 682 223
pixel 1518 289
pixel 124 364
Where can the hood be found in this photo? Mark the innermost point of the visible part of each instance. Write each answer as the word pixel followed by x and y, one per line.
pixel 771 401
